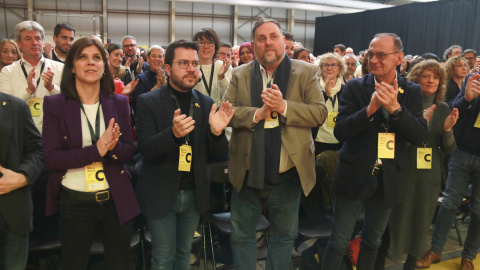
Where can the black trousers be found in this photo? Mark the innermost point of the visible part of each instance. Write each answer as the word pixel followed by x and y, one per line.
pixel 80 220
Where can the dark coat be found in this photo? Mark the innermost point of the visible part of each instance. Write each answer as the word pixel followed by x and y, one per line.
pixel 21 152
pixel 360 136
pixel 62 143
pixel 159 178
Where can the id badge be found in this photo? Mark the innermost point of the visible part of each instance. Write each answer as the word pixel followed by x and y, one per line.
pixel 332 119
pixel 94 177
pixel 272 121
pixel 185 160
pixel 477 123
pixel 386 145
pixel 424 158
pixel 34 105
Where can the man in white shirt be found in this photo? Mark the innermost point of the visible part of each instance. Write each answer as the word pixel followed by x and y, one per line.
pixel 34 76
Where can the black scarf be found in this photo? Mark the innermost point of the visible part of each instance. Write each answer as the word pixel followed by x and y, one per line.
pixel 267 143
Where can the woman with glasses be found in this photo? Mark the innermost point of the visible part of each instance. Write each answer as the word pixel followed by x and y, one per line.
pixel 247 53
pixel 456 68
pixel 214 75
pixel 9 52
pixel 409 221
pixel 331 67
pixel 86 140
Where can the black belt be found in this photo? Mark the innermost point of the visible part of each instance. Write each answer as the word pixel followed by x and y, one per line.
pixel 100 196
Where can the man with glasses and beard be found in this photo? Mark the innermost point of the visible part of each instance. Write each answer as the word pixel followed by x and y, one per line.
pixel 178 129
pixel 137 65
pixel 379 114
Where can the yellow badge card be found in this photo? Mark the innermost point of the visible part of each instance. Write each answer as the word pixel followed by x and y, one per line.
pixel 477 123
pixel 185 161
pixel 94 177
pixel 386 145
pixel 332 119
pixel 424 158
pixel 34 105
pixel 272 121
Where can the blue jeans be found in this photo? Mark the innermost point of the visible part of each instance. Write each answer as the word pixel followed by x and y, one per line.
pixel 463 169
pixel 283 206
pixel 172 234
pixel 346 213
pixel 13 248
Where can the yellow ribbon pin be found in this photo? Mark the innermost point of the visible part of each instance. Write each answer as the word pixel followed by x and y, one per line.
pixel 4 103
pixel 196 104
pixel 401 90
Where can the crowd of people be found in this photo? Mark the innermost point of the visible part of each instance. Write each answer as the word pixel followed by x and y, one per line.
pixel 115 132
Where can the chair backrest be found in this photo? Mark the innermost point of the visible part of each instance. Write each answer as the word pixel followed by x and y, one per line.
pixel 218 172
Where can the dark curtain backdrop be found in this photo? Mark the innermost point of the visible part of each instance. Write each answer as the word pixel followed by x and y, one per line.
pixel 423 27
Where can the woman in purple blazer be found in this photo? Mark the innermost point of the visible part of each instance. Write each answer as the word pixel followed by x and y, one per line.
pixel 86 139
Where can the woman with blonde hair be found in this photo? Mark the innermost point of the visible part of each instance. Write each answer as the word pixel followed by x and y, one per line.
pixel 330 69
pixel 9 52
pixel 456 68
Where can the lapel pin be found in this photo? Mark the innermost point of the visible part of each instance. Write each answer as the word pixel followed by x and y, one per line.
pixel 196 104
pixel 4 103
pixel 401 90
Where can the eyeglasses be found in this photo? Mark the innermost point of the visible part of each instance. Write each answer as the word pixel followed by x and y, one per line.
pixel 129 45
pixel 183 64
pixel 380 56
pixel 470 58
pixel 334 65
pixel 206 43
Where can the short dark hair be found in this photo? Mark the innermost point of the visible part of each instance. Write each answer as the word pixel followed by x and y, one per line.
pixel 341 47
pixel 62 25
pixel 170 53
pixel 298 51
pixel 469 51
pixel 397 42
pixel 428 56
pixel 208 34
pixel 67 85
pixel 226 44
pixel 263 20
pixel 289 36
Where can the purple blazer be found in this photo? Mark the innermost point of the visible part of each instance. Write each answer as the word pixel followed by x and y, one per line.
pixel 62 147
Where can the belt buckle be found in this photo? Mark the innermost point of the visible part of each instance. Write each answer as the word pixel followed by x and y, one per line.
pixel 101 193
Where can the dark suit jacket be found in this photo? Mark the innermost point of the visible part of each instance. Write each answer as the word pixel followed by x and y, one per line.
pixel 159 177
pixel 62 143
pixel 21 152
pixel 360 136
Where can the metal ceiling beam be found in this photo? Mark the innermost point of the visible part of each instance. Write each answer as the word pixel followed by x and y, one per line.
pixel 277 4
pixel 347 3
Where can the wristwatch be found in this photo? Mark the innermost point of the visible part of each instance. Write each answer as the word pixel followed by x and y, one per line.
pixel 396 114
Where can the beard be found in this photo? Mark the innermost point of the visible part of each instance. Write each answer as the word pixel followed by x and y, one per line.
pixel 182 83
pixel 266 61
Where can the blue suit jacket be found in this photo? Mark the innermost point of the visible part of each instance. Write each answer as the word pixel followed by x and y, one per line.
pixel 159 177
pixel 62 145
pixel 360 136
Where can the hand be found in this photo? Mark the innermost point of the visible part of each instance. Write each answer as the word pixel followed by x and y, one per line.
pixel 403 67
pixel 115 136
pixel 387 95
pixel 329 84
pixel 451 120
pixel 130 87
pixel 234 61
pixel 223 69
pixel 47 77
pixel 128 62
pixel 374 104
pixel 273 98
pixel 182 125
pixel 161 80
pixel 31 82
pixel 11 180
pixel 139 65
pixel 47 49
pixel 107 139
pixel 219 120
pixel 428 113
pixel 262 113
pixel 349 78
pixel 473 87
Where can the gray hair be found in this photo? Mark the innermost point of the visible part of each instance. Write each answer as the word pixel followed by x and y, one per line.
pixel 350 55
pixel 397 42
pixel 128 37
pixel 155 47
pixel 29 26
